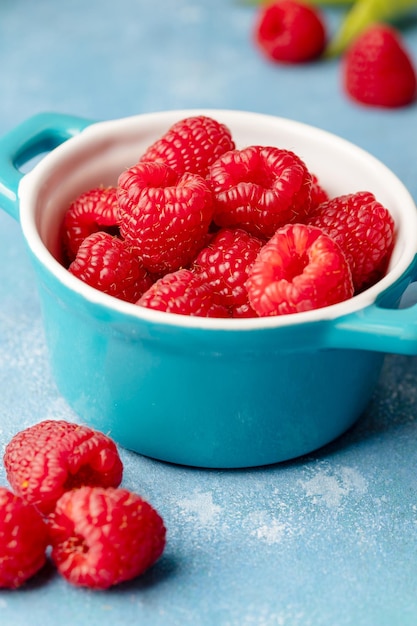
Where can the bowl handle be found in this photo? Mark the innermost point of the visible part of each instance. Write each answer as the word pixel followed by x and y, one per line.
pixel 380 327
pixel 33 138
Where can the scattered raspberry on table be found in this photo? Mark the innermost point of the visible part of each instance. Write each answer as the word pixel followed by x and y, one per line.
pixel 45 460
pixel 378 70
pixel 376 67
pixel 290 31
pixel 24 538
pixel 99 533
pixel 102 537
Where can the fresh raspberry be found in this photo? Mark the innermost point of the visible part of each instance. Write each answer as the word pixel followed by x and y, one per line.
pixel 23 540
pixel 102 537
pixel 299 269
pixel 191 145
pixel 378 70
pixel 363 228
pixel 94 210
pixel 51 457
pixel 110 265
pixel 185 293
pixel 163 216
pixel 289 31
pixel 318 193
pixel 260 189
pixel 225 263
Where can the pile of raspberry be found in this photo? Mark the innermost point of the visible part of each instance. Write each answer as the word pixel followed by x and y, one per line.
pixel 66 504
pixel 200 227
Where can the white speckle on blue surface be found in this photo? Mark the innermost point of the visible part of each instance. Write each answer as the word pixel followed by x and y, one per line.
pixel 200 508
pixel 271 531
pixel 329 488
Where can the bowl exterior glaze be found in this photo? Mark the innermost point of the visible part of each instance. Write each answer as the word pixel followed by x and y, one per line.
pixel 216 401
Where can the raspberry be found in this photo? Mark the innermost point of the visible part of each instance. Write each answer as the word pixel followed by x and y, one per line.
pixel 102 537
pixel 191 145
pixel 225 263
pixel 23 540
pixel 163 216
pixel 290 31
pixel 51 457
pixel 378 70
pixel 110 265
pixel 183 292
pixel 363 228
pixel 300 268
pixel 318 194
pixel 260 189
pixel 94 210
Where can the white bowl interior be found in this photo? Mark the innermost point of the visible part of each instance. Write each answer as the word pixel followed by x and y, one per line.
pixel 102 151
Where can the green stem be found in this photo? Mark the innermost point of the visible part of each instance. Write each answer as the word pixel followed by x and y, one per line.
pixel 364 13
pixel 314 2
pixel 329 2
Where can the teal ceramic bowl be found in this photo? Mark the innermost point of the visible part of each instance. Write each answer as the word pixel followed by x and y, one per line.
pixel 205 392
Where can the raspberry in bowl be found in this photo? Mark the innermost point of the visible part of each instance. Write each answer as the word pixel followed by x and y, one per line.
pixel 236 379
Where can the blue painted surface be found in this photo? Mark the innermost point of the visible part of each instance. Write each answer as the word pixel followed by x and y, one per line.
pixel 327 540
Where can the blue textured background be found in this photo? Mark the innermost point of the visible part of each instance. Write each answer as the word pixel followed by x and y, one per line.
pixel 328 540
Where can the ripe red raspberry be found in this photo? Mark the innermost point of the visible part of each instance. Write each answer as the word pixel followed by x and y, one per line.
pixel 51 457
pixel 299 269
pixel 225 263
pixel 290 31
pixel 23 540
pixel 378 70
pixel 183 292
pixel 102 537
pixel 191 145
pixel 164 217
pixel 94 210
pixel 110 265
pixel 318 193
pixel 363 228
pixel 260 189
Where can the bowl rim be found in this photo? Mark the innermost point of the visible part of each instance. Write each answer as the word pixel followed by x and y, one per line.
pixel 32 182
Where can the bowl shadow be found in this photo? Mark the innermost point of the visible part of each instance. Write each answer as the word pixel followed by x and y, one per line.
pixel 393 407
pixel 162 571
